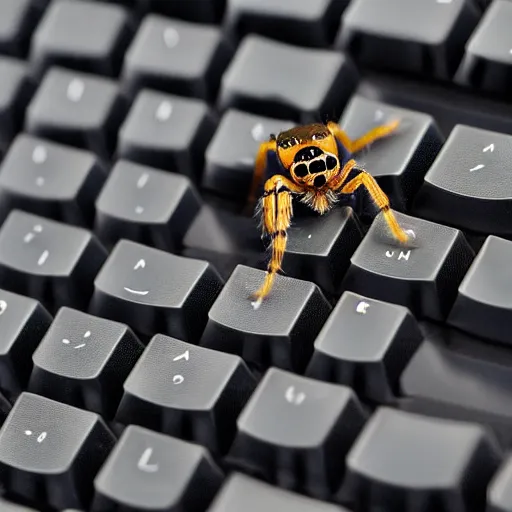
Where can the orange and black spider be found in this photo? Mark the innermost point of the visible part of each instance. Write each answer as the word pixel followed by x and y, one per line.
pixel 318 168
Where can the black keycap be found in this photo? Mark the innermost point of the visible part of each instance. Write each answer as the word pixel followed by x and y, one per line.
pixel 425 38
pixel 399 162
pixel 44 443
pixel 499 494
pixel 154 472
pixel 83 361
pixel 23 322
pixel 155 292
pixel 349 351
pixel 231 154
pixel 402 458
pixel 177 57
pixel 63 37
pixel 14 94
pixel 50 179
pixel 169 392
pixel 424 277
pixel 469 185
pixel 145 205
pixel 205 11
pixel 302 22
pixel 76 108
pixel 292 423
pixel 167 132
pixel 486 64
pixel 47 260
pixel 267 77
pixel 17 20
pixel 482 306
pixel 242 492
pixel 319 248
pixel 447 365
pixel 279 332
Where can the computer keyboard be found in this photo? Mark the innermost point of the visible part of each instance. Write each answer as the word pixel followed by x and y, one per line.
pixel 135 372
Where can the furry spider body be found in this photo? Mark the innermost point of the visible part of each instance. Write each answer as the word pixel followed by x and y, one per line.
pixel 318 168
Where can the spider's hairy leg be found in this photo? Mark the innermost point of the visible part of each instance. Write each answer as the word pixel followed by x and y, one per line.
pixel 381 200
pixel 276 206
pixel 353 146
pixel 259 172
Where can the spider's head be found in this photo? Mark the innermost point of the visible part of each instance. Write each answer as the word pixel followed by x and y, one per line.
pixel 310 154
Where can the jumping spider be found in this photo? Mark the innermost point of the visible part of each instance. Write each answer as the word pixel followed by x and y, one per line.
pixel 317 160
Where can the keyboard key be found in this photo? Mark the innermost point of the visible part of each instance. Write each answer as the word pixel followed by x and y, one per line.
pixel 348 351
pixel 154 291
pixel 23 322
pixel 83 361
pixel 49 261
pixel 14 95
pixel 280 332
pixel 429 36
pixel 154 472
pixel 242 492
pixel 423 278
pixel 448 364
pixel 301 22
pixel 266 77
pixel 145 205
pixel 44 443
pixel 231 154
pixel 399 162
pixel 78 109
pixel 486 65
pixel 291 421
pixel 169 392
pixel 62 38
pixel 499 495
pixel 177 57
pixel 404 458
pixel 469 185
pixel 50 179
pixel 482 306
pixel 167 132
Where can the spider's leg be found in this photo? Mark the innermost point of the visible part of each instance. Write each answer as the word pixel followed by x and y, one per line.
pixel 259 173
pixel 354 146
pixel 381 200
pixel 276 211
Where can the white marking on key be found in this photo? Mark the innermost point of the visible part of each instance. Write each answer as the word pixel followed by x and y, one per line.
pixel 28 237
pixel 379 115
pixel 139 210
pixel 39 181
pixel 143 463
pixel 477 167
pixel 403 255
pixel 164 111
pixel 444 1
pixel 294 398
pixel 43 258
pixel 171 37
pixel 39 155
pixel 185 356
pixel 490 148
pixel 309 236
pixel 257 132
pixel 38 228
pixel 136 292
pixel 75 90
pixel 178 379
pixel 256 304
pixel 140 264
pixel 362 307
pixel 141 182
pixel 3 306
pixel 40 438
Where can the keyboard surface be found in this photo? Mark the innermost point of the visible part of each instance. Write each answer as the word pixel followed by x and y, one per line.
pixel 137 372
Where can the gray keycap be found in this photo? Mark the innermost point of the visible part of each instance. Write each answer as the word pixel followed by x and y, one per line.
pixel 47 260
pixel 402 458
pixel 267 78
pixel 175 56
pixel 400 161
pixel 499 495
pixel 43 443
pixel 423 37
pixel 63 37
pixel 83 361
pixel 17 20
pixel 486 65
pixel 423 276
pixel 167 132
pixel 50 179
pixel 150 471
pixel 291 424
pixel 154 291
pixel 241 492
pixel 168 391
pixel 280 332
pixel 469 185
pixel 349 351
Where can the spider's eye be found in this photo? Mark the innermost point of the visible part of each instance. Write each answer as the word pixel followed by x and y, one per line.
pixel 331 162
pixel 317 166
pixel 301 170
